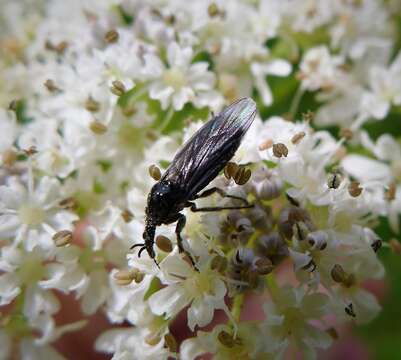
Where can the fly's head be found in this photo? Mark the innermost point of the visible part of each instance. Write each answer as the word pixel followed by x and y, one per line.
pixel 161 202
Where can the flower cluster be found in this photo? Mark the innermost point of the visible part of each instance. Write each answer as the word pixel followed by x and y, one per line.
pixel 95 95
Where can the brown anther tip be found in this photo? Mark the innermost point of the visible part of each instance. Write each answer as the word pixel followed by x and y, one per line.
pixel 155 172
pixel 127 215
pixel 334 181
pixel 13 105
pixel 30 151
pixel 164 243
pixel 231 169
pixel 346 133
pixel 62 238
pixel 264 266
pixel 298 137
pixel 280 150
pixel 390 192
pixel 51 85
pixel 118 88
pixel 97 127
pixel 267 144
pixel 308 116
pixel 68 203
pixel 111 36
pixel 92 105
pixel 354 189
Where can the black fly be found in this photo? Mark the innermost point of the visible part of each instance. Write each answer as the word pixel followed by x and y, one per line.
pixel 199 161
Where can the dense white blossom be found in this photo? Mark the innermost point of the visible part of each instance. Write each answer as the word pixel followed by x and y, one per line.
pixel 96 98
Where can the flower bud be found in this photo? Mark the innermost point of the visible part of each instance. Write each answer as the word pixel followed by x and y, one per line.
pixel 269 188
pixel 273 247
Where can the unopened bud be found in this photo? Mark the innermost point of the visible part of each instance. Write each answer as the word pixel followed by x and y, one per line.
pixel 298 137
pixel 129 110
pixel 152 339
pixel 338 274
pixel 111 36
pixel 164 243
pixel 125 277
pixel 334 181
pixel 280 150
pixel 117 88
pixel 97 127
pixel 354 189
pixel 155 172
pixel 62 238
pixel 213 10
pixel 226 339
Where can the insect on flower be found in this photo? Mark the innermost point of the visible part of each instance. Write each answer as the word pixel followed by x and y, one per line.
pixel 199 161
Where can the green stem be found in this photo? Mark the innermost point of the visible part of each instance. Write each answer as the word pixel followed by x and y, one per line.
pixel 295 102
pixel 166 120
pixel 237 307
pixel 272 285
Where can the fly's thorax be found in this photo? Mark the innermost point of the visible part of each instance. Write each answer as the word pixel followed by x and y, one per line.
pixel 164 202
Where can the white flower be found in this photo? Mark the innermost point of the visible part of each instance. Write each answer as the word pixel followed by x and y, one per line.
pixel 288 318
pixel 385 89
pixel 203 291
pixel 133 344
pixel 8 131
pixel 181 82
pixel 223 344
pixel 319 70
pixel 32 215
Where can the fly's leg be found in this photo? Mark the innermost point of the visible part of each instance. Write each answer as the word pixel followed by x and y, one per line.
pixel 180 226
pixel 193 207
pixel 221 192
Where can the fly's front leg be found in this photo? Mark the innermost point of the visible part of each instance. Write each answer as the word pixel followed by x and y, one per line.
pixel 180 226
pixel 221 192
pixel 193 207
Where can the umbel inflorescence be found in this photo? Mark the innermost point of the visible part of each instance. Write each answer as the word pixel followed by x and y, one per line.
pixel 96 97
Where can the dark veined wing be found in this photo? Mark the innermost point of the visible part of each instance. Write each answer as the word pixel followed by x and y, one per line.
pixel 206 153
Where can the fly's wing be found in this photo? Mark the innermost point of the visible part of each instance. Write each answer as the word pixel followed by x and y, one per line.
pixel 211 147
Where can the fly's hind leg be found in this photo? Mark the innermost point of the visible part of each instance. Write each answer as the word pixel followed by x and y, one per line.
pixel 180 226
pixel 193 207
pixel 221 192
